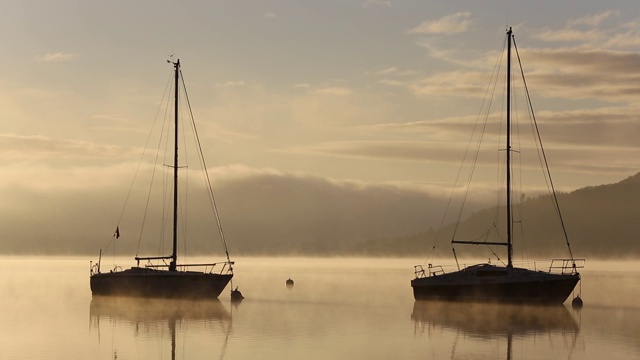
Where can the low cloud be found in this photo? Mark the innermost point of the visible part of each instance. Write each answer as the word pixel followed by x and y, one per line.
pixel 262 211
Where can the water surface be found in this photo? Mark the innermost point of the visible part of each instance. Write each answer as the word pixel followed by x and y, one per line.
pixel 339 308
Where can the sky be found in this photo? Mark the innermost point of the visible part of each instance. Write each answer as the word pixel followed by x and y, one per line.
pixel 365 97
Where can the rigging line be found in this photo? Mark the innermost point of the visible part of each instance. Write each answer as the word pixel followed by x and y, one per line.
pixel 153 174
pixel 544 156
pixel 515 122
pixel 500 175
pixel 126 201
pixel 206 173
pixel 167 184
pixel 491 249
pixel 488 90
pixel 481 132
pixel 184 212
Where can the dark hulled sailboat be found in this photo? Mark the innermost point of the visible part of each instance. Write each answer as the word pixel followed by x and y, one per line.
pixel 496 283
pixel 167 280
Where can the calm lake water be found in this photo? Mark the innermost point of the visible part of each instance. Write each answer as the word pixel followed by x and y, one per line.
pixel 338 309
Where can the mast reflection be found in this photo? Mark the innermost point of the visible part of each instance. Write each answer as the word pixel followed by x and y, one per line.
pixel 151 316
pixel 494 321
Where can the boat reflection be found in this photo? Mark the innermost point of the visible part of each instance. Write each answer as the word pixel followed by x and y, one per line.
pixel 152 317
pixel 484 322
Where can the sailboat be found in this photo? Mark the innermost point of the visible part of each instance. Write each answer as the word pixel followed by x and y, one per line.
pixel 163 276
pixel 487 282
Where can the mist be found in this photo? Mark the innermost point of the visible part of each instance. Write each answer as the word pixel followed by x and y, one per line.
pixel 267 212
pixel 262 212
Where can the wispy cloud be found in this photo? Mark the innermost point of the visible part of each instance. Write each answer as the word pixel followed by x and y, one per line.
pixel 302 86
pixel 460 83
pixel 56 57
pixel 588 32
pixel 593 20
pixel 269 14
pixel 580 74
pixel 232 84
pixel 386 3
pixel 387 71
pixel 454 23
pixel 40 148
pixel 374 149
pixel 571 35
pixel 335 90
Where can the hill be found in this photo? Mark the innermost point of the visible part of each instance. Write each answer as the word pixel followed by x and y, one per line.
pixel 601 221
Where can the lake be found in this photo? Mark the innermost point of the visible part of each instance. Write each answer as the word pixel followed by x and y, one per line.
pixel 338 308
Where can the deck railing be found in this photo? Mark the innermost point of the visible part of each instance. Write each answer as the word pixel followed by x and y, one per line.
pixel 433 270
pixel 222 267
pixel 566 266
pixel 563 266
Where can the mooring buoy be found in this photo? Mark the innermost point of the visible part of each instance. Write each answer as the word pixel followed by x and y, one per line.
pixel 236 295
pixel 289 283
pixel 577 303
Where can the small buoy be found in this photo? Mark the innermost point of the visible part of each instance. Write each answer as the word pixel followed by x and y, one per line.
pixel 289 283
pixel 236 295
pixel 577 303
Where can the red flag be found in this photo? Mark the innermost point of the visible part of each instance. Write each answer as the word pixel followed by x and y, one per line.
pixel 117 233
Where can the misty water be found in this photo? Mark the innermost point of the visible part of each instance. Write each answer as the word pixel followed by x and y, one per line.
pixel 338 308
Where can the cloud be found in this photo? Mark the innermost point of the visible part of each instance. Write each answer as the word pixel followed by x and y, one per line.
pixel 262 211
pixel 269 14
pixel 593 20
pixel 395 83
pixel 579 74
pixel 37 148
pixel 387 71
pixel 302 86
pixel 385 3
pixel 566 73
pixel 587 141
pixel 459 83
pixel 588 33
pixel 394 150
pixel 571 35
pixel 232 84
pixel 56 57
pixel 335 90
pixel 454 23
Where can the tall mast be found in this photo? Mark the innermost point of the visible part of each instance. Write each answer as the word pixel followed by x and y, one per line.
pixel 509 237
pixel 174 255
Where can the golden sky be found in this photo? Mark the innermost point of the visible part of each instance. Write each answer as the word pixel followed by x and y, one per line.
pixel 359 95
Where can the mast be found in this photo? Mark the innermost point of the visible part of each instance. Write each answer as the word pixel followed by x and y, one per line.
pixel 174 254
pixel 509 231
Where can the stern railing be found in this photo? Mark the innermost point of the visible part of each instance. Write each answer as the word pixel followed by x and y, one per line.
pixel 566 266
pixel 433 270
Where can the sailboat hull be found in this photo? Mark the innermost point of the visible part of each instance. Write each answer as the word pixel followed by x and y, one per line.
pixel 150 283
pixel 494 284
